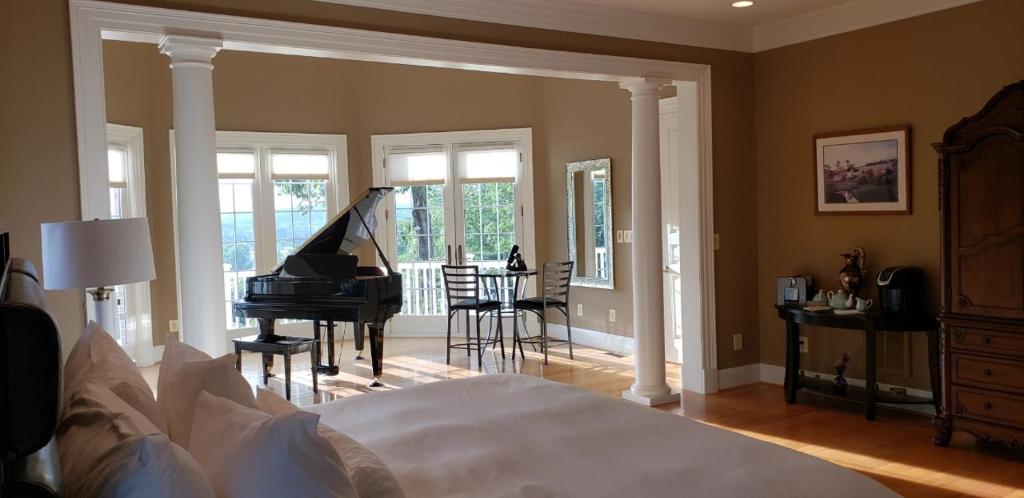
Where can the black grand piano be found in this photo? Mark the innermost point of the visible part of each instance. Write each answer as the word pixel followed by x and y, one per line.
pixel 323 282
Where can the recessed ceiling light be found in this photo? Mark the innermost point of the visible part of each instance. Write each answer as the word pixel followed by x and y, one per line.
pixel 743 3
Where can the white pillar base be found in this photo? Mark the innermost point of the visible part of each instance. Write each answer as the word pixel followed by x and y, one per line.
pixel 646 399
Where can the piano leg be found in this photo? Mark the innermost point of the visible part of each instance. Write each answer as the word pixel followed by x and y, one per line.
pixel 266 332
pixel 376 352
pixel 318 357
pixel 332 366
pixel 318 335
pixel 358 336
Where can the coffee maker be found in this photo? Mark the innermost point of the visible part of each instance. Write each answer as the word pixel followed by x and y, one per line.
pixel 901 289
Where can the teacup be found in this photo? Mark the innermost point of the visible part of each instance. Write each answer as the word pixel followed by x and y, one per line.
pixel 863 304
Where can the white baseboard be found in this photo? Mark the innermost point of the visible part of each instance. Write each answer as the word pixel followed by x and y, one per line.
pixel 595 339
pixel 739 376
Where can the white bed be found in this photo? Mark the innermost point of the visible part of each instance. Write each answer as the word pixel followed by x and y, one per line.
pixel 520 436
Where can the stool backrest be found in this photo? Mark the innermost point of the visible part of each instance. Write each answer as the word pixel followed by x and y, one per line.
pixel 555 279
pixel 461 282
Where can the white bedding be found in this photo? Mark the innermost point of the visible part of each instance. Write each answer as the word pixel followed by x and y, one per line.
pixel 520 436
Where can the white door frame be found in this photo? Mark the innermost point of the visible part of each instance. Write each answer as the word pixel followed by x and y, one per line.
pixel 93 21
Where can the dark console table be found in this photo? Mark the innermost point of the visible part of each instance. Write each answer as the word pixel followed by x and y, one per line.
pixel 869 323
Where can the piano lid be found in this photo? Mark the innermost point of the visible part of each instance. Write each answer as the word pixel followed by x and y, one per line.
pixel 346 232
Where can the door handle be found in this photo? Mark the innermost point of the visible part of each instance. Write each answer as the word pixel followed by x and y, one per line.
pixel 449 260
pixel 667 269
pixel 462 259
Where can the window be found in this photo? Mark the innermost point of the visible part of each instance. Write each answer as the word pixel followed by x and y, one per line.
pixel 599 181
pixel 117 178
pixel 276 190
pixel 460 198
pixel 126 183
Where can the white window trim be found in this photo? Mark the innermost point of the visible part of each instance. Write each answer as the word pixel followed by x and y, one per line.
pixel 263 221
pixel 140 342
pixel 450 141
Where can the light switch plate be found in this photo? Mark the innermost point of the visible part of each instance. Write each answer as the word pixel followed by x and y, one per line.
pixel 804 347
pixel 579 309
pixel 618 236
pixel 737 342
pixel 627 236
pixel 611 316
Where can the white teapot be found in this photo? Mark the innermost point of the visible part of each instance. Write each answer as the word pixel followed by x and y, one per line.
pixel 839 300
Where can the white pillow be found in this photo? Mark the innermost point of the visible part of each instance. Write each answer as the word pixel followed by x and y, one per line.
pixel 248 453
pixel 184 373
pixel 109 449
pixel 370 476
pixel 97 357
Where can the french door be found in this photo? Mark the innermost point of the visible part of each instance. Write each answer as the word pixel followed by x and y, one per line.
pixel 460 198
pixel 670 231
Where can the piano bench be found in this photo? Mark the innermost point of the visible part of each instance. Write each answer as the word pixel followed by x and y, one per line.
pixel 282 345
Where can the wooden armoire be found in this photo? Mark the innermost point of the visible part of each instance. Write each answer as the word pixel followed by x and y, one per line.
pixel 981 182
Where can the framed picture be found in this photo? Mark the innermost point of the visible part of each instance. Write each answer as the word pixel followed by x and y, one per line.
pixel 863 172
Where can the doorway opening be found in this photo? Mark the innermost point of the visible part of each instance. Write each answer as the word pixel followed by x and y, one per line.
pixel 92 22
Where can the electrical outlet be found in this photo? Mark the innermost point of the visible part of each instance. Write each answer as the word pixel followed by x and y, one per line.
pixel 173 325
pixel 579 309
pixel 627 236
pixel 803 344
pixel 618 236
pixel 716 242
pixel 737 342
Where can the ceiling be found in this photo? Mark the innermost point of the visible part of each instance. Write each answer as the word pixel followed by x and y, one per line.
pixel 766 25
pixel 718 11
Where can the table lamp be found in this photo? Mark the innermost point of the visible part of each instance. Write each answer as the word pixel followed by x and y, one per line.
pixel 97 255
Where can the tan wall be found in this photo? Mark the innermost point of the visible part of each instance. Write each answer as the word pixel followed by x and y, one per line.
pixel 570 116
pixel 38 155
pixel 927 72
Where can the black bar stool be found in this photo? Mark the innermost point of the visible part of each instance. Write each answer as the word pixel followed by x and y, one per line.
pixel 462 289
pixel 555 279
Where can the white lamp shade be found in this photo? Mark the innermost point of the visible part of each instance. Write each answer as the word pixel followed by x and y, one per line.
pixel 99 253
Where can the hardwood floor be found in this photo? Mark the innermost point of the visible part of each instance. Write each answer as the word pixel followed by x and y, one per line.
pixel 895 450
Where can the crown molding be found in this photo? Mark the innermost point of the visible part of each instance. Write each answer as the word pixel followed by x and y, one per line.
pixel 576 17
pixel 843 18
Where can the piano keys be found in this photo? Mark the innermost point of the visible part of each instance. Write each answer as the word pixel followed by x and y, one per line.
pixel 322 281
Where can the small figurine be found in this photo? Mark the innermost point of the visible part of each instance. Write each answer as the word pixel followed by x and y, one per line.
pixel 839 383
pixel 515 260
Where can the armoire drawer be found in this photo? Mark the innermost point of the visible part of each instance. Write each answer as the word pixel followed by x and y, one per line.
pixel 988 406
pixel 986 341
pixel 988 373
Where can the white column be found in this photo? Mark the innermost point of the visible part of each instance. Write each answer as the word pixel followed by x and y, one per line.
pixel 196 198
pixel 649 387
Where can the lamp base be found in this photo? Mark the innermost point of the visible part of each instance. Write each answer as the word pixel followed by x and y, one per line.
pixel 101 293
pixel 103 309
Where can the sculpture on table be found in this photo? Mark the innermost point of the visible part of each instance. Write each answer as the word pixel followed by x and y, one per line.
pixel 851 276
pixel 839 383
pixel 515 260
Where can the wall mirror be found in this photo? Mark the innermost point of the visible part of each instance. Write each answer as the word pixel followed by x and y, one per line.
pixel 589 196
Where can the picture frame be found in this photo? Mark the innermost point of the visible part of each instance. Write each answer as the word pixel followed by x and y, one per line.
pixel 863 171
